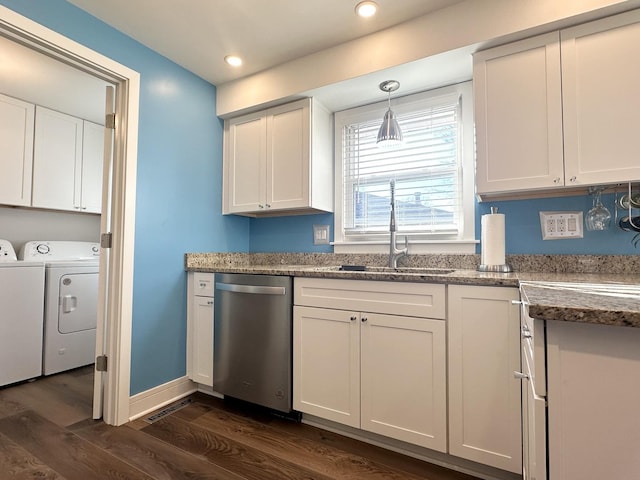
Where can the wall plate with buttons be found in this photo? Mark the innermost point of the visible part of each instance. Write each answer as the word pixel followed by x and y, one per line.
pixel 321 234
pixel 561 225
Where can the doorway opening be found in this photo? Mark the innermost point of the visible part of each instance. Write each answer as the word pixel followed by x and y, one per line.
pixel 111 394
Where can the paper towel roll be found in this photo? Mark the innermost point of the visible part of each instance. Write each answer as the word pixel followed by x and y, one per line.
pixel 492 239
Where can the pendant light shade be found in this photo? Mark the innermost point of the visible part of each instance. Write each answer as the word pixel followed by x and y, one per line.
pixel 389 134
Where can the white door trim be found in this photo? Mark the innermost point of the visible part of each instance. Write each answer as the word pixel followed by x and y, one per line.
pixel 120 278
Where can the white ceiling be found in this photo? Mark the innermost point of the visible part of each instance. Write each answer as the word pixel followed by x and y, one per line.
pixel 42 80
pixel 197 34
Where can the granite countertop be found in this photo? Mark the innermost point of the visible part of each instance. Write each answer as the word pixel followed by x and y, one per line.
pixel 609 294
pixel 606 302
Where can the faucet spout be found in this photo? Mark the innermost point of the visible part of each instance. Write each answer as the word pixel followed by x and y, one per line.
pixel 395 253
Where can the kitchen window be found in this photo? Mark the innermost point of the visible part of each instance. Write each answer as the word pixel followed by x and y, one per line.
pixel 432 169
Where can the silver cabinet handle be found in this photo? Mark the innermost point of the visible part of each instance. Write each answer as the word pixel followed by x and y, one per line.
pixel 516 302
pixel 354 318
pixel 556 180
pixel 521 376
pixel 209 302
pixel 573 179
pixel 364 319
pixel 267 205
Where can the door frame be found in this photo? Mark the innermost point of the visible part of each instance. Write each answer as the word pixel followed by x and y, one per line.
pixel 119 296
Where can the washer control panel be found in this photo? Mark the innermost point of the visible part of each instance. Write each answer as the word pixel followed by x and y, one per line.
pixel 7 253
pixel 59 250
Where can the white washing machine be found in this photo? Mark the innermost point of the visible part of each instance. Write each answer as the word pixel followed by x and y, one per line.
pixel 21 316
pixel 70 301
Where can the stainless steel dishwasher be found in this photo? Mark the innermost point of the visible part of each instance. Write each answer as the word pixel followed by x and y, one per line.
pixel 253 338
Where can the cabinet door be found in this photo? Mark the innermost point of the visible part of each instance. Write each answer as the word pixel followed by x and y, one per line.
pixel 326 364
pixel 92 159
pixel 245 164
pixel 484 396
pixel 57 160
pixel 288 156
pixel 201 370
pixel 593 396
pixel 518 114
pixel 600 75
pixel 403 368
pixel 16 138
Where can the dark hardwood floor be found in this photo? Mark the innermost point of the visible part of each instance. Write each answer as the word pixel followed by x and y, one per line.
pixel 46 432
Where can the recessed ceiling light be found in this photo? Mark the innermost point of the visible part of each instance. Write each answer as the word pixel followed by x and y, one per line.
pixel 233 60
pixel 366 9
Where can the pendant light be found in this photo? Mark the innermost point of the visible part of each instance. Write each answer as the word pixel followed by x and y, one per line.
pixel 389 134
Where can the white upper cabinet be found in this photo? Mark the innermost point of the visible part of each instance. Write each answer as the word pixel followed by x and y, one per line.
pixel 16 138
pixel 559 110
pixel 518 110
pixel 279 161
pixel 57 160
pixel 92 162
pixel 601 100
pixel 60 179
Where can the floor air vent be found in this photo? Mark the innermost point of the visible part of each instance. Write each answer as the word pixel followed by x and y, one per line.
pixel 168 411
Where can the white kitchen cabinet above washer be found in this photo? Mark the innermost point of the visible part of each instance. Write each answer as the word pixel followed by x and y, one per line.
pixel 279 161
pixel 16 138
pixel 67 162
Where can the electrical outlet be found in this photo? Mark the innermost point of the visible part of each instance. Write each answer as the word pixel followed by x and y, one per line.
pixel 561 225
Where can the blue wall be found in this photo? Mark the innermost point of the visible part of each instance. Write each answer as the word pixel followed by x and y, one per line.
pixel 523 234
pixel 179 184
pixel 294 234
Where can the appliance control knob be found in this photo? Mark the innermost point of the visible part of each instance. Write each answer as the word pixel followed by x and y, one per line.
pixel 94 248
pixel 42 248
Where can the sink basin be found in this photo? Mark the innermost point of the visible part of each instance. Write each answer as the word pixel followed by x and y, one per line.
pixel 409 270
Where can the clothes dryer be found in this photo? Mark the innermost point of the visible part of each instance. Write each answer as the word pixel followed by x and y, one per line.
pixel 21 316
pixel 70 302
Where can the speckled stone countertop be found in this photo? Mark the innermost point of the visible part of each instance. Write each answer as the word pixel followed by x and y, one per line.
pixel 605 302
pixel 602 289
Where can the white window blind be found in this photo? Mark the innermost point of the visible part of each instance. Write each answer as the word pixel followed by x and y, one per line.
pixel 427 169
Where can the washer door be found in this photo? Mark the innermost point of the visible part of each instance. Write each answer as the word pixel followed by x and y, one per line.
pixel 78 305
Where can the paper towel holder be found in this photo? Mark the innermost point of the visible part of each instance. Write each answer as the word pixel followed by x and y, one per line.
pixel 495 268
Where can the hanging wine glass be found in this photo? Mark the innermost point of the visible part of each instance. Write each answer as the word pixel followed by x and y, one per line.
pixel 599 217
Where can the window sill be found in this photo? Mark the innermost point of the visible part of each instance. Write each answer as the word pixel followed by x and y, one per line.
pixel 416 247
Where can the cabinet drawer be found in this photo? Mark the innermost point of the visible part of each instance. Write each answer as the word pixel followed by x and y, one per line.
pixel 396 298
pixel 203 284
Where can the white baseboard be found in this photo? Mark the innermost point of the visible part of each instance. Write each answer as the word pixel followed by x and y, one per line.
pixel 157 397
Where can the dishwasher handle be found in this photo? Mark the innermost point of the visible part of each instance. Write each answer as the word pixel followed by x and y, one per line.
pixel 252 289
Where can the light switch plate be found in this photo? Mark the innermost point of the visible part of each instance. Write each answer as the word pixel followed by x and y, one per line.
pixel 561 225
pixel 321 234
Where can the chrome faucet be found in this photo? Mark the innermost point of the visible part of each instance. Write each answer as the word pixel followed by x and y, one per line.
pixel 394 253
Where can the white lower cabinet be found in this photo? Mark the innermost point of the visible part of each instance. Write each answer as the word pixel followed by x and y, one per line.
pixel 403 379
pixel 367 368
pixel 200 292
pixel 593 374
pixel 484 396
